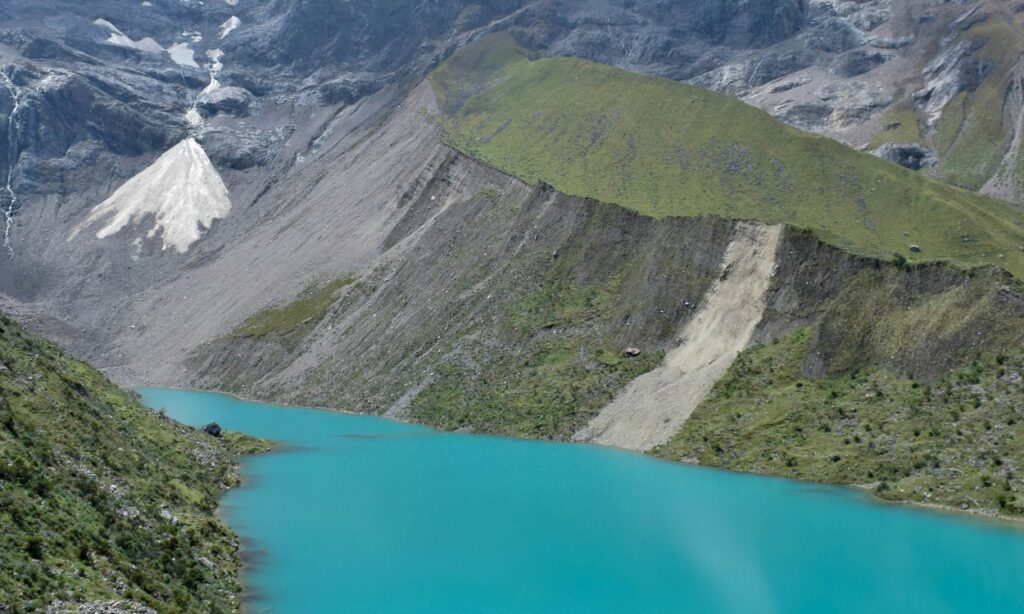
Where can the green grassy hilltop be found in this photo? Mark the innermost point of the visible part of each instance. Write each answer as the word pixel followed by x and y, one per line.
pixel 664 148
pixel 101 498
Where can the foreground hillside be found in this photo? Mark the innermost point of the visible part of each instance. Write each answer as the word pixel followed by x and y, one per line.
pixel 664 148
pixel 102 499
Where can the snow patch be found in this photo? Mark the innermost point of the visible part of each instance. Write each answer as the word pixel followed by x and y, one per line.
pixel 182 55
pixel 182 189
pixel 229 26
pixel 119 38
pixel 231 2
pixel 215 66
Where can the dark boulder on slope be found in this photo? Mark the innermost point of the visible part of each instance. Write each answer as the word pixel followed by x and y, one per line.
pixel 909 155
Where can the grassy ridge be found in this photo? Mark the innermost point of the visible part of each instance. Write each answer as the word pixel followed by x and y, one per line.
pixel 956 441
pixel 101 498
pixel 668 149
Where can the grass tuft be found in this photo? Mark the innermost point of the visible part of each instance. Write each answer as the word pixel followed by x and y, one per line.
pixel 305 311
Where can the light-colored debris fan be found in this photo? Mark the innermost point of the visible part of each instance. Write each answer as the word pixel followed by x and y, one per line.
pixel 181 189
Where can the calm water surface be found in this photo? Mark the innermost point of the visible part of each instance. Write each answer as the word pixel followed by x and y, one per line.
pixel 363 514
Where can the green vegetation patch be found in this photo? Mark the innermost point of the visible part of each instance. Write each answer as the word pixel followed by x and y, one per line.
pixel 664 148
pixel 466 73
pixel 303 313
pixel 554 373
pixel 899 125
pixel 101 498
pixel 957 441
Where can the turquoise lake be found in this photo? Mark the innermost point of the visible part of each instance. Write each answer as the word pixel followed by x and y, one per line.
pixel 362 514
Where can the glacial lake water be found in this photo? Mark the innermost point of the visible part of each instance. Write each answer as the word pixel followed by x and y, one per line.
pixel 363 514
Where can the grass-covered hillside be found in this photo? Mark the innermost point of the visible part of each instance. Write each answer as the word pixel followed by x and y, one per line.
pixel 957 440
pixel 292 321
pixel 101 498
pixel 664 148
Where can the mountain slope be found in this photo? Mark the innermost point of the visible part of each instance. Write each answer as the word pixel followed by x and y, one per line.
pixel 101 498
pixel 496 306
pixel 665 148
pixel 90 100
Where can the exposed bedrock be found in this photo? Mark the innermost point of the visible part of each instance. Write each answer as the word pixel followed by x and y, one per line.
pixel 909 155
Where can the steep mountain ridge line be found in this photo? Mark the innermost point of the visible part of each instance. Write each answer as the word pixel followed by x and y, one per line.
pixel 272 146
pixel 255 139
pixel 665 148
pixel 654 406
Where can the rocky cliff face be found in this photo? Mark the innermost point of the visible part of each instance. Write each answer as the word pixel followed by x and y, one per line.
pixel 93 93
pixel 285 99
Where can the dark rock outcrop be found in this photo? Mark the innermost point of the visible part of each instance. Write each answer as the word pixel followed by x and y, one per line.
pixel 910 155
pixel 859 61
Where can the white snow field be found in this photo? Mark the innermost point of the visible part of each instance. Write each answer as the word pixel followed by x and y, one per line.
pixel 119 38
pixel 229 26
pixel 182 189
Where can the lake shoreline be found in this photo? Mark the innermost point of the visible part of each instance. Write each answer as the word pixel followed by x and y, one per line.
pixel 367 496
pixel 1015 523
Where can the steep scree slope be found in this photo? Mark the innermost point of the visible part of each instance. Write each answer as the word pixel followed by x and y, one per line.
pixel 654 406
